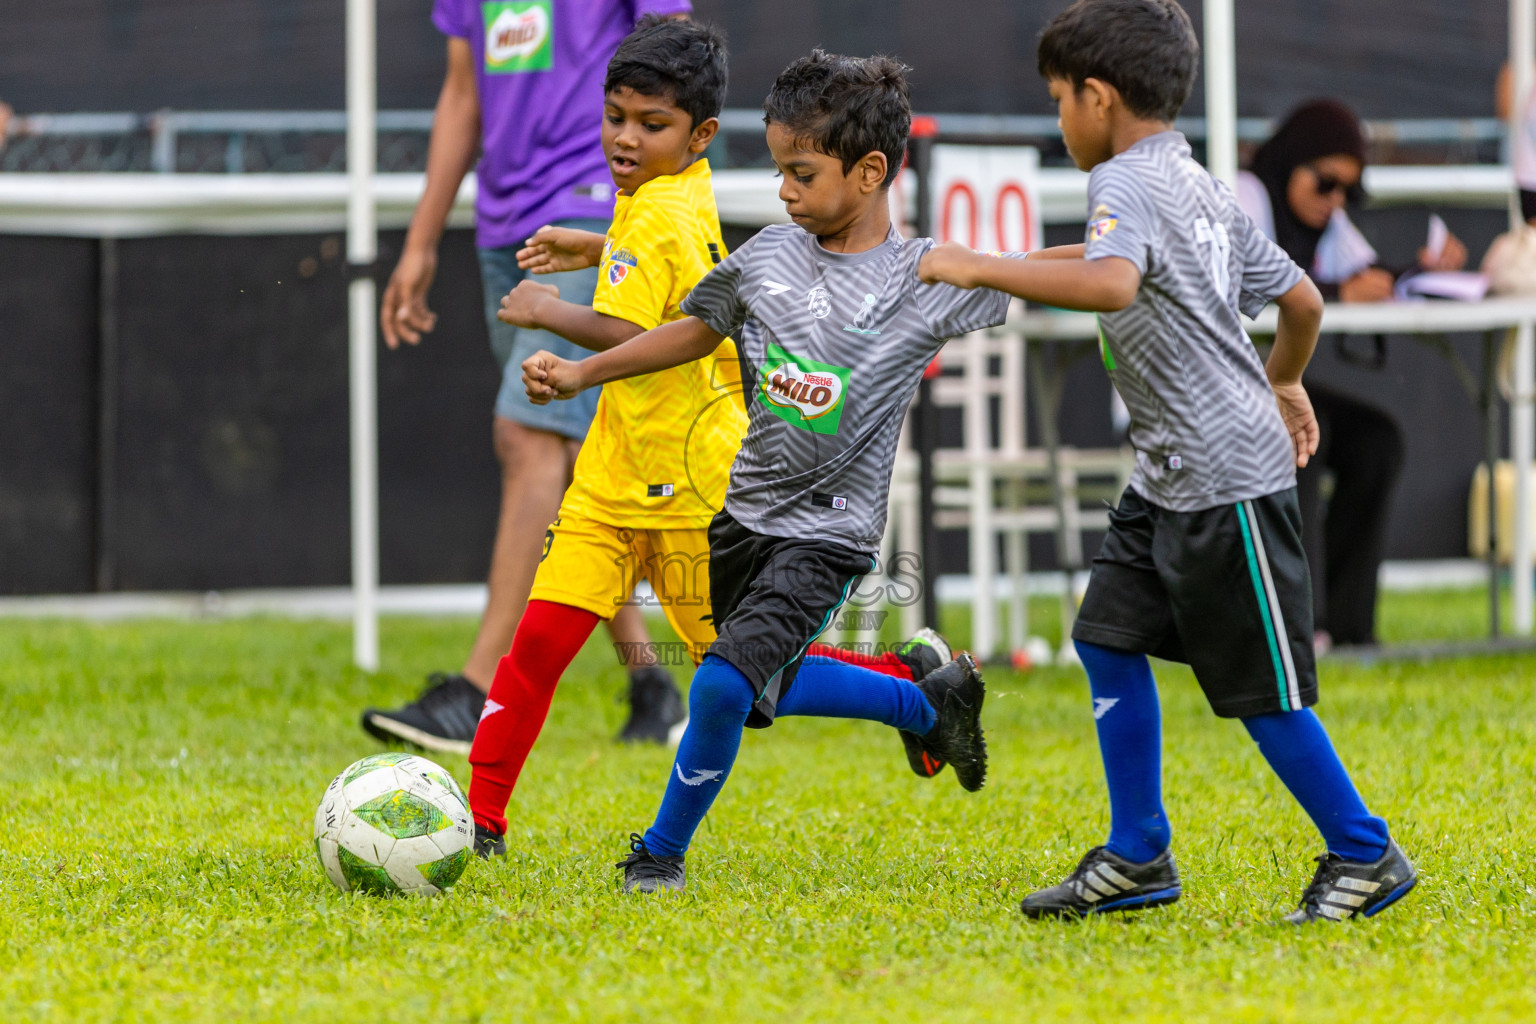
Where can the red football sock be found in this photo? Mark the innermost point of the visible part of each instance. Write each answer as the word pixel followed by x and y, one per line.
pixel 886 664
pixel 547 638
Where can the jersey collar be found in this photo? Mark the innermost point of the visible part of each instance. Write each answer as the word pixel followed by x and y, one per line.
pixel 852 259
pixel 698 169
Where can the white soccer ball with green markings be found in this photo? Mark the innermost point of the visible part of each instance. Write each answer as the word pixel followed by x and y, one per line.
pixel 394 823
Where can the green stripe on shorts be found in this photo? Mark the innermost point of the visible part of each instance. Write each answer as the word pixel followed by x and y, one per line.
pixel 1263 599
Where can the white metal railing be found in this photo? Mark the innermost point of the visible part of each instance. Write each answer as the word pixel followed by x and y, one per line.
pixel 1413 130
pixel 130 205
pixel 292 141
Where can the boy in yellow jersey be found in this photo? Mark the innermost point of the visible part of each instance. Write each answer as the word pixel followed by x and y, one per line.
pixel 654 467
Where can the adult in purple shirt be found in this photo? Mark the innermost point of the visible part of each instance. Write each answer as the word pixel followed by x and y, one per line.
pixel 524 89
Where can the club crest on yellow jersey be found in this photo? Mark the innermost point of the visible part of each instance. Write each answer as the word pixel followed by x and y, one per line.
pixel 619 265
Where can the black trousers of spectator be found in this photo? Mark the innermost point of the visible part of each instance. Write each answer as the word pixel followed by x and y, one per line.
pixel 1362 447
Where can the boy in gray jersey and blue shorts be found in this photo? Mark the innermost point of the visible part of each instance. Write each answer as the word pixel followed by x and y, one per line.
pixel 834 328
pixel 1203 561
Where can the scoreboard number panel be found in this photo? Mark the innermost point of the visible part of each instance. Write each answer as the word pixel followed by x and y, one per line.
pixel 986 197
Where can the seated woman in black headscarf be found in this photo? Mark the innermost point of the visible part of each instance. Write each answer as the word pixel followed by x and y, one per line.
pixel 1297 190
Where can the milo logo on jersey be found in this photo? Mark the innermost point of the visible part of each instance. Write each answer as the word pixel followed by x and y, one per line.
pixel 802 391
pixel 517 36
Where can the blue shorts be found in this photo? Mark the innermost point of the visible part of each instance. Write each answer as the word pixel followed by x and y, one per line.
pixel 499 274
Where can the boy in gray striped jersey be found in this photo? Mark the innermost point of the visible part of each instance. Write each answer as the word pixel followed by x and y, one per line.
pixel 834 328
pixel 1203 562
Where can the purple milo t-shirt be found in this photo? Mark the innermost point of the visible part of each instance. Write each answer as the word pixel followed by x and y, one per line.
pixel 539 65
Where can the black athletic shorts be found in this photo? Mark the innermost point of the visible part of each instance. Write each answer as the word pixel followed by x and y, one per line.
pixel 771 597
pixel 1225 590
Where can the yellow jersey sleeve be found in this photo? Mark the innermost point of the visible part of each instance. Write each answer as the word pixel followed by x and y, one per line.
pixel 638 276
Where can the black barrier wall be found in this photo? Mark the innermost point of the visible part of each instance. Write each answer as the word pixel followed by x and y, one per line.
pixel 48 408
pixel 182 423
pixel 967 55
pixel 209 450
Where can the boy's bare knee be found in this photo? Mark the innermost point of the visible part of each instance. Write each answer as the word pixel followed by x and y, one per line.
pixel 527 451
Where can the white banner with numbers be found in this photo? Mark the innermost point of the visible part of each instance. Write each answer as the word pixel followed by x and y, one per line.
pixel 986 197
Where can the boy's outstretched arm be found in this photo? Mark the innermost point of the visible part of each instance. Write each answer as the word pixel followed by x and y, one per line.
pixel 1065 280
pixel 1301 313
pixel 551 250
pixel 539 306
pixel 1059 252
pixel 547 376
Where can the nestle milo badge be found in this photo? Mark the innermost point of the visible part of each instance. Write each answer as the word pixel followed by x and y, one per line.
pixel 803 391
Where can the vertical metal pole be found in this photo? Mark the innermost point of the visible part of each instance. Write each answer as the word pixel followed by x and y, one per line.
pixel 108 371
pixel 1491 456
pixel 362 252
pixel 1045 386
pixel 1221 91
pixel 983 537
pixel 1522 73
pixel 1015 440
pixel 162 142
pixel 926 422
pixel 1522 449
pixel 927 547
pixel 1522 418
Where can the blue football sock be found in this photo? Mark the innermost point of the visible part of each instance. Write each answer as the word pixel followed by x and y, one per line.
pixel 1298 749
pixel 1130 725
pixel 828 688
pixel 718 702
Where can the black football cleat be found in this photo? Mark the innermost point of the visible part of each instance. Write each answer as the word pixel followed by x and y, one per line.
pixel 443 718
pixel 1341 888
pixel 921 762
pixel 1103 882
pixel 925 652
pixel 489 843
pixel 656 712
pixel 646 872
pixel 956 692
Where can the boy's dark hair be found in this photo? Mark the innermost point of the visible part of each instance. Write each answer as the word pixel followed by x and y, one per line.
pixel 844 107
pixel 1144 48
pixel 667 56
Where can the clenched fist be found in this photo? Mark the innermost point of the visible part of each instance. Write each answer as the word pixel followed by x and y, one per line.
pixel 949 263
pixel 546 376
pixel 519 307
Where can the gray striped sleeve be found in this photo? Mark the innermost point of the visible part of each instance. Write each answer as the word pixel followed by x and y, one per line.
pixel 1122 221
pixel 718 299
pixel 1268 272
pixel 951 312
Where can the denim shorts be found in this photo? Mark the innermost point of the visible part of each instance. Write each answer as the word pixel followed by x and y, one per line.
pixel 499 274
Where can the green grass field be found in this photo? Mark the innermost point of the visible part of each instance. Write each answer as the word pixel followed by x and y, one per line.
pixel 156 863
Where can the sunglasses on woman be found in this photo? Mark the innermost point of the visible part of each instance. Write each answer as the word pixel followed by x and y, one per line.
pixel 1328 184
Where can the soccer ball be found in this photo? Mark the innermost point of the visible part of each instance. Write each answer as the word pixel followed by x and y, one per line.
pixel 393 823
